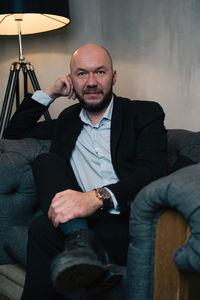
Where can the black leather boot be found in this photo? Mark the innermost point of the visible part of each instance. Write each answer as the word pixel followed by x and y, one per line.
pixel 81 264
pixel 114 277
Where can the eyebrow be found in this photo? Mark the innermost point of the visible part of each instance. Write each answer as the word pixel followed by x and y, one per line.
pixel 98 68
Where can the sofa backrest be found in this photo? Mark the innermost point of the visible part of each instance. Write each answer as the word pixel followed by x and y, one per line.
pixel 183 143
pixel 18 196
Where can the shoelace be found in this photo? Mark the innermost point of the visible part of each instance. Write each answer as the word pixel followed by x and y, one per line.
pixel 78 238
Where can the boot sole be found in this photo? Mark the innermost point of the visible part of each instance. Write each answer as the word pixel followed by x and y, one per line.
pixel 76 275
pixel 101 288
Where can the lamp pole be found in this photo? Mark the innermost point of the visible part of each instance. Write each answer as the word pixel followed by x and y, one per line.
pixel 19 18
pixel 12 90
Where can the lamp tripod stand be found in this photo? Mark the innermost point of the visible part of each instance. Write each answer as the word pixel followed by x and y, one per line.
pixel 12 90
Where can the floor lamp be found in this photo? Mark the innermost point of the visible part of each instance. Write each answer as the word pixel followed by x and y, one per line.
pixel 21 17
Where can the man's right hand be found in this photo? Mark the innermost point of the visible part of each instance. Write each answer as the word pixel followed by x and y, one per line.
pixel 62 87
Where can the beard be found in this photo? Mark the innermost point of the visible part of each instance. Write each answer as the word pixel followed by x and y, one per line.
pixel 95 107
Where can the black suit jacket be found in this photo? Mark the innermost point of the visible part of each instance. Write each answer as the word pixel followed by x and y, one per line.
pixel 138 140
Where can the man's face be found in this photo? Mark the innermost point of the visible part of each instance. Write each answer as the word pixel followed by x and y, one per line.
pixel 93 77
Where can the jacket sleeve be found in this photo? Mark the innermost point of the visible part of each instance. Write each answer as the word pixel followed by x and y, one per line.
pixel 24 124
pixel 149 160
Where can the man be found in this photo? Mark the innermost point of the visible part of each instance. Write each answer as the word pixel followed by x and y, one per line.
pixel 103 151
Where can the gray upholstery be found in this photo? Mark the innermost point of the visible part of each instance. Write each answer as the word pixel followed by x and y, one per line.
pixel 12 278
pixel 19 205
pixel 183 142
pixel 181 191
pixel 18 198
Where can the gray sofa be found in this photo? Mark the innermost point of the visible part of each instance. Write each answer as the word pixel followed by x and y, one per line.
pixel 180 190
pixel 18 207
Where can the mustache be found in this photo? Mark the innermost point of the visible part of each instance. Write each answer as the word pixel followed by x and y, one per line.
pixel 92 90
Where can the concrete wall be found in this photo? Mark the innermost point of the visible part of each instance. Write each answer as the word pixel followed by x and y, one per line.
pixel 155 46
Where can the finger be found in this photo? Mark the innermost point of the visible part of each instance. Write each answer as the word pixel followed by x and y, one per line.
pixel 54 218
pixel 69 96
pixel 54 224
pixel 56 221
pixel 63 86
pixel 68 80
pixel 58 196
pixel 57 208
pixel 73 95
pixel 59 205
pixel 71 92
pixel 51 213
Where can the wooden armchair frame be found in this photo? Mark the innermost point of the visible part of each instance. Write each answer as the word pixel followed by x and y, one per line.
pixel 169 283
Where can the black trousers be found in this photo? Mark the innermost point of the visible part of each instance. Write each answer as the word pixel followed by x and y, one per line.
pixel 45 241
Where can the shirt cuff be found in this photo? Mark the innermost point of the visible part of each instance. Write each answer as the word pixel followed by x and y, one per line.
pixel 114 210
pixel 42 98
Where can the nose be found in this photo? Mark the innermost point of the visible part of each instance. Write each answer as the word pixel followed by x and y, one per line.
pixel 91 82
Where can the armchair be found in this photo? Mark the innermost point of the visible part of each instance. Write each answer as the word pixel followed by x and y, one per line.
pixel 165 227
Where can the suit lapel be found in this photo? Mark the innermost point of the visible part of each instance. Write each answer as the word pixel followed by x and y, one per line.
pixel 116 129
pixel 72 130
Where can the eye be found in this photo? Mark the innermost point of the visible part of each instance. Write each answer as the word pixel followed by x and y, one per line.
pixel 81 74
pixel 100 72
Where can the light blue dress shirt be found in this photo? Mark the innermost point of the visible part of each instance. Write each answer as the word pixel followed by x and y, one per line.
pixel 91 157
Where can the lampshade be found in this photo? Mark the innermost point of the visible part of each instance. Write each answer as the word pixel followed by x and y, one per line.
pixel 36 16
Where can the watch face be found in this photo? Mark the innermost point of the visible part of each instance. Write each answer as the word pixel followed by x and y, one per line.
pixel 104 193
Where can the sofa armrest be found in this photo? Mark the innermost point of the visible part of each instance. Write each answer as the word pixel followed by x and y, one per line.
pixel 179 191
pixel 172 231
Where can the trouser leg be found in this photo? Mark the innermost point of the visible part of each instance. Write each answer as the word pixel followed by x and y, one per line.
pixel 44 243
pixel 52 176
pixel 112 231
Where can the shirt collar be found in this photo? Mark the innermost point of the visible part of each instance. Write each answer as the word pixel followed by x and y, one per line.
pixel 107 115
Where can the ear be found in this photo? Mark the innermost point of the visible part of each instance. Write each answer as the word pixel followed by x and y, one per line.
pixel 114 77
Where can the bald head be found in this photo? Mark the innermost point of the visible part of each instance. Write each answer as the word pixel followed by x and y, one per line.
pixel 90 54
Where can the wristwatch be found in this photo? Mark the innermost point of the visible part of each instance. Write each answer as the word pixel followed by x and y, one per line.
pixel 103 194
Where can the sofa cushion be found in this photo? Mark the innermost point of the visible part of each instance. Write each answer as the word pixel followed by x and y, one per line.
pixel 181 162
pixel 12 279
pixel 14 245
pixel 15 272
pixel 17 239
pixel 18 196
pixel 183 143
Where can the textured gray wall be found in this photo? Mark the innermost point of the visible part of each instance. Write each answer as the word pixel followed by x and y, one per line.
pixel 155 46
